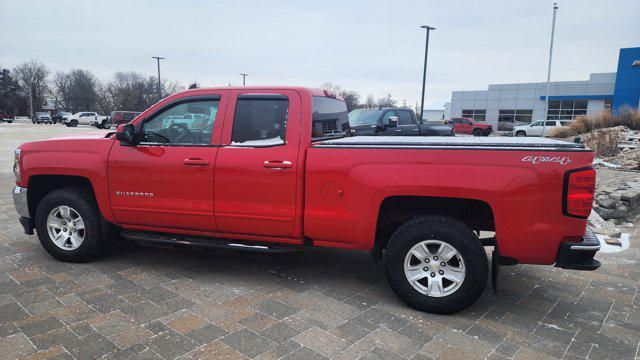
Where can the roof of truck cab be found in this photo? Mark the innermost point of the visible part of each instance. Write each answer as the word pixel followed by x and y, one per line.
pixel 452 142
pixel 313 91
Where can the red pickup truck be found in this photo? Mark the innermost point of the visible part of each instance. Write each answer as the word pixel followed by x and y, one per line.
pixel 469 126
pixel 259 174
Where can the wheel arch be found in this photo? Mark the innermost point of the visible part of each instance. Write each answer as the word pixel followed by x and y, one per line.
pixel 41 185
pixel 396 210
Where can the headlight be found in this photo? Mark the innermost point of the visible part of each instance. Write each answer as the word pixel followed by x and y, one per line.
pixel 16 164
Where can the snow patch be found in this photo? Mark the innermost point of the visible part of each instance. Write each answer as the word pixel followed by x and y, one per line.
pixel 606 248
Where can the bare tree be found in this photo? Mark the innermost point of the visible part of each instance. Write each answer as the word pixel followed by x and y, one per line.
pixel 9 100
pixel 134 91
pixel 387 101
pixel 76 90
pixel 329 86
pixel 351 98
pixel 32 76
pixel 370 102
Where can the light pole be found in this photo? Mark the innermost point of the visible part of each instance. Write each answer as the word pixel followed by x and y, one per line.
pixel 31 98
pixel 424 72
pixel 546 107
pixel 158 58
pixel 244 78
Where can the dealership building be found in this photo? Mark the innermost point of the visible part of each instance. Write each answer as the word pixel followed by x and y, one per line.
pixel 506 105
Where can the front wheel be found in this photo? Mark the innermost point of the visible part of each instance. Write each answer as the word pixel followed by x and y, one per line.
pixel 477 132
pixel 68 224
pixel 436 264
pixel 73 123
pixel 521 133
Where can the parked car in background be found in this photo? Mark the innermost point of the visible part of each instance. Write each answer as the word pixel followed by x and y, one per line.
pixel 439 127
pixel 83 118
pixel 122 117
pixel 101 122
pixel 8 118
pixel 256 178
pixel 393 122
pixel 57 118
pixel 42 117
pixel 469 126
pixel 535 128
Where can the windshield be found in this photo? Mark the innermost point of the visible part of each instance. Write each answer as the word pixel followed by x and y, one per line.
pixel 364 116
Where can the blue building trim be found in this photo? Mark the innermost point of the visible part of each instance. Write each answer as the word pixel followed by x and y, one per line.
pixel 627 90
pixel 578 97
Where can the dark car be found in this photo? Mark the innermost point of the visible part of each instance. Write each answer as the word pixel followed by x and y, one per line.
pixel 57 118
pixel 439 127
pixel 394 122
pixel 122 117
pixel 8 118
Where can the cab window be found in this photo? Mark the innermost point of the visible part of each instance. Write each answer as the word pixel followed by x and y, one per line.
pixel 260 120
pixel 185 123
pixel 404 118
pixel 387 115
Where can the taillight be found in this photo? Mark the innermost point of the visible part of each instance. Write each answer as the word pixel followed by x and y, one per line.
pixel 579 186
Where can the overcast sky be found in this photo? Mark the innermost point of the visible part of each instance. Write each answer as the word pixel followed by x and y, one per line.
pixel 374 47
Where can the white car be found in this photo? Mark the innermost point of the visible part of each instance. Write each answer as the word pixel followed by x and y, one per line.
pixel 535 128
pixel 84 118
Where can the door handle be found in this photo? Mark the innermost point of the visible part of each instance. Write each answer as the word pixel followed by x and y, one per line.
pixel 277 164
pixel 398 130
pixel 196 161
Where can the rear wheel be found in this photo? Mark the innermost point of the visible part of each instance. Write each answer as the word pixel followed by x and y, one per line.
pixel 521 133
pixel 68 225
pixel 477 132
pixel 436 264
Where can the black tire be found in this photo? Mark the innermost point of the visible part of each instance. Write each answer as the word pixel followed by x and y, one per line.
pixel 83 203
pixel 477 132
pixel 521 133
pixel 452 232
pixel 73 123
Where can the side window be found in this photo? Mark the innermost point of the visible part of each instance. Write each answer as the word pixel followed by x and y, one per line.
pixel 260 120
pixel 387 115
pixel 537 123
pixel 329 118
pixel 404 118
pixel 551 123
pixel 186 123
pixel 466 122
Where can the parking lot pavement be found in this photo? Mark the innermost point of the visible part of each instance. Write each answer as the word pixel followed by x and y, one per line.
pixel 138 302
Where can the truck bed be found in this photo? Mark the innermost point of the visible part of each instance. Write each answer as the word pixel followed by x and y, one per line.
pixel 448 142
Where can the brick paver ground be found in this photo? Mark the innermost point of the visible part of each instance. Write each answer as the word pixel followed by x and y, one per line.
pixel 148 303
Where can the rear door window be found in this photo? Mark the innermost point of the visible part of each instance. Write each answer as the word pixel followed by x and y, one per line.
pixel 404 117
pixel 260 120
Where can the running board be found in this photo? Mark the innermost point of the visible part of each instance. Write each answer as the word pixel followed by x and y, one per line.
pixel 205 243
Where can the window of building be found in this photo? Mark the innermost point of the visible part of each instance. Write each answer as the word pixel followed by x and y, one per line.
pixel 566 109
pixel 507 119
pixel 475 114
pixel 260 120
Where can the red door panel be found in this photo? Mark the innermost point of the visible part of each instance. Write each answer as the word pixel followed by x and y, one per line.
pixel 166 185
pixel 255 186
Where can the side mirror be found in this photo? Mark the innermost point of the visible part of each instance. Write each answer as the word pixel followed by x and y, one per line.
pixel 393 121
pixel 126 135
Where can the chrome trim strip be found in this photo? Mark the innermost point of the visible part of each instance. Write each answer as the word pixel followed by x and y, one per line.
pixel 20 201
pixel 585 247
